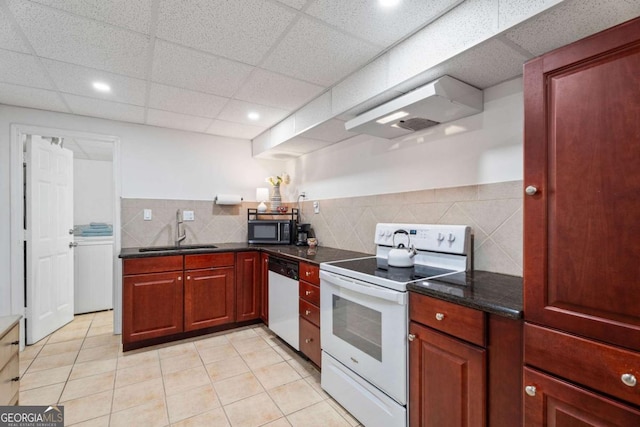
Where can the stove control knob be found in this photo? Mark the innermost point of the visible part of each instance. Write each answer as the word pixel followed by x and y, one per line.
pixel 451 238
pixel 388 233
pixel 440 237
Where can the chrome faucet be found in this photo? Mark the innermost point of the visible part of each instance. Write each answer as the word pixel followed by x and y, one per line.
pixel 179 238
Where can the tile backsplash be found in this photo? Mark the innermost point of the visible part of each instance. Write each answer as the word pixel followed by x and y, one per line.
pixel 494 212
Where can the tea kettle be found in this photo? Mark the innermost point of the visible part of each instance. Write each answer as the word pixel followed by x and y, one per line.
pixel 401 256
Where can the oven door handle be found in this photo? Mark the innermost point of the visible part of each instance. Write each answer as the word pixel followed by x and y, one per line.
pixel 366 289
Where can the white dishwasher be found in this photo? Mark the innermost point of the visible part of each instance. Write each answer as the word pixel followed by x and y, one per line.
pixel 283 300
pixel 93 274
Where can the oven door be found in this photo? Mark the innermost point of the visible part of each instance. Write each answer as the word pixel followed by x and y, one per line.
pixel 364 326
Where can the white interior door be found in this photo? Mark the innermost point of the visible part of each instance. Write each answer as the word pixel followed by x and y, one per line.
pixel 49 219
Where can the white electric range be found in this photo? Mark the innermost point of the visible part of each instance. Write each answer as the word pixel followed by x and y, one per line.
pixel 364 318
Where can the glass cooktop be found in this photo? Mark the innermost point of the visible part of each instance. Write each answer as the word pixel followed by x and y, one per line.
pixel 378 267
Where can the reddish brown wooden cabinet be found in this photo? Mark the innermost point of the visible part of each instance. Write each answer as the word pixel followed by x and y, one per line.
pixel 152 298
pixel 581 246
pixel 248 286
pixel 264 288
pixel 463 366
pixel 309 309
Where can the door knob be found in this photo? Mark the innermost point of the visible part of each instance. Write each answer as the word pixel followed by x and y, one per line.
pixel 73 244
pixel 71 231
pixel 530 190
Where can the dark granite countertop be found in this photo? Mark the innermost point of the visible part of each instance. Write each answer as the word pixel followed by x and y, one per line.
pixel 490 292
pixel 299 253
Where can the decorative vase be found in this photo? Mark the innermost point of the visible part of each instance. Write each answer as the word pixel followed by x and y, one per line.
pixel 276 198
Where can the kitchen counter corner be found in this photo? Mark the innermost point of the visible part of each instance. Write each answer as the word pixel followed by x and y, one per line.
pixel 495 293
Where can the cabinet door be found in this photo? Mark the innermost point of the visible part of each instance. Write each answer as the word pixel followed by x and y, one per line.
pixel 310 341
pixel 248 287
pixel 557 403
pixel 209 297
pixel 582 133
pixel 264 288
pixel 447 380
pixel 152 306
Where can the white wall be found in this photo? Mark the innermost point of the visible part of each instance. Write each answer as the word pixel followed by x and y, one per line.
pixel 480 149
pixel 92 191
pixel 155 163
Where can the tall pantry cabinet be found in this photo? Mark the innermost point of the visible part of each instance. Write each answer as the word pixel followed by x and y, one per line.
pixel 582 232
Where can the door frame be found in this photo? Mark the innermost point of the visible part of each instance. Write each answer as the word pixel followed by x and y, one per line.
pixel 17 214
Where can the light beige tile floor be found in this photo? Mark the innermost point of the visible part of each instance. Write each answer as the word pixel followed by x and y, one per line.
pixel 245 377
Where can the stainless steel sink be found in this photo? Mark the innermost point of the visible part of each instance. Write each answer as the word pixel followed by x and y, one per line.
pixel 176 248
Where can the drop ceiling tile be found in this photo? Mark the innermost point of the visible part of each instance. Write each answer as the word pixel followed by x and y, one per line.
pixel 170 98
pixel 177 121
pixel 382 26
pixel 269 88
pixel 22 69
pixel 182 67
pixel 487 65
pixel 241 30
pixel 330 131
pixel 467 25
pixel 69 38
pixel 32 98
pixel 78 80
pixel 9 36
pixel 104 109
pixel 235 130
pixel 571 21
pixel 319 54
pixel 236 111
pixel 132 14
pixel 515 11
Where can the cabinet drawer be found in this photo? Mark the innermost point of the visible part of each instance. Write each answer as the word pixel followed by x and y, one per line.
pixel 590 363
pixel 310 273
pixel 7 348
pixel 310 312
pixel 462 322
pixel 310 292
pixel 192 262
pixel 8 387
pixel 152 265
pixel 310 341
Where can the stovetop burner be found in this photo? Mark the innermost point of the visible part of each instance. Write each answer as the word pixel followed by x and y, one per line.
pixel 378 267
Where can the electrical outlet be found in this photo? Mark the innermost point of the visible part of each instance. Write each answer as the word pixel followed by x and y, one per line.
pixel 146 215
pixel 316 207
pixel 188 216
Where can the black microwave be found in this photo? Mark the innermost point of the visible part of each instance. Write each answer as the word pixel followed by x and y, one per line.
pixel 272 232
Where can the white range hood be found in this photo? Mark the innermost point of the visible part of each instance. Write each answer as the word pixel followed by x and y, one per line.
pixel 440 101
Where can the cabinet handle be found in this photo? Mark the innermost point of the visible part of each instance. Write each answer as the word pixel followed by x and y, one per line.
pixel 530 190
pixel 530 390
pixel 188 277
pixel 16 379
pixel 15 342
pixel 307 292
pixel 308 273
pixel 307 312
pixel 411 337
pixel 308 340
pixel 179 277
pixel 629 379
pixel 439 316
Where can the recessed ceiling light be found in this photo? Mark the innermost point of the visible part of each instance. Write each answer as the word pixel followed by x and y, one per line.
pixel 253 115
pixel 101 87
pixel 388 3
